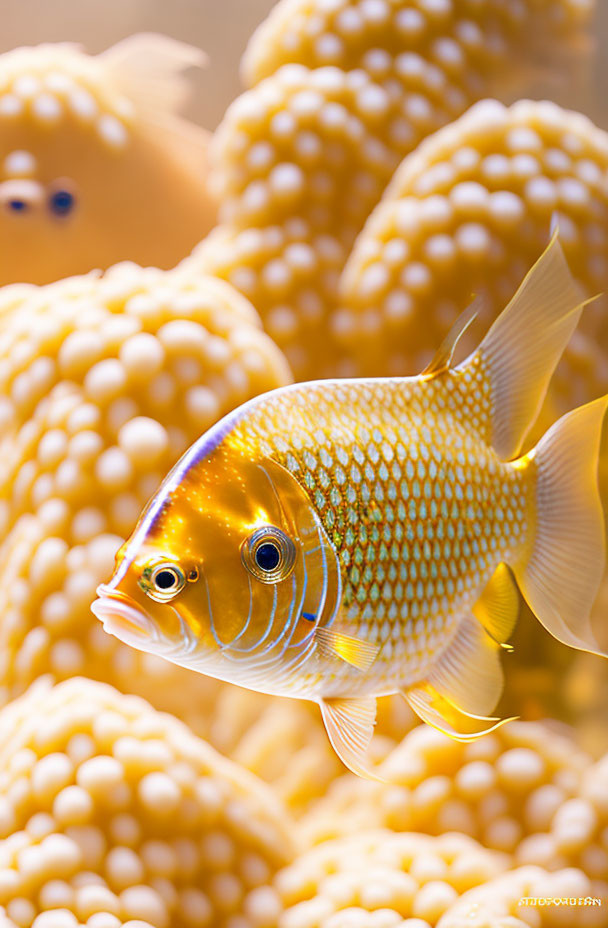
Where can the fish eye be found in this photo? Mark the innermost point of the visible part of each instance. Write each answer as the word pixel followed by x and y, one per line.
pixel 269 554
pixel 162 582
pixel 17 205
pixel 62 202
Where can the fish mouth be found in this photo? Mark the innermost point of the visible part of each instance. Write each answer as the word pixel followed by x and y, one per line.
pixel 122 619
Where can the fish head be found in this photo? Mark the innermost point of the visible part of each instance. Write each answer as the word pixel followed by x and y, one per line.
pixel 229 569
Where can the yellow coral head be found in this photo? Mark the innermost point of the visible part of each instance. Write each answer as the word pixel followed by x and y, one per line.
pixel 228 570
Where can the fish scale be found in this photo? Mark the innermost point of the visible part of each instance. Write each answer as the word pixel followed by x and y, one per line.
pixel 342 540
pixel 418 508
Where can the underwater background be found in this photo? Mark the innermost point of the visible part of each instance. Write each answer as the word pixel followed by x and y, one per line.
pixel 136 793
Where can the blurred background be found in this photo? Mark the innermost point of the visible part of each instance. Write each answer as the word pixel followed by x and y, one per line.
pixel 222 29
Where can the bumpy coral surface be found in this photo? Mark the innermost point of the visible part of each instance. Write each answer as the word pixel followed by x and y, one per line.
pixel 505 790
pixel 285 743
pixel 105 381
pixel 113 813
pixel 303 157
pixel 578 829
pixel 342 32
pixel 95 167
pixel 530 896
pixel 469 213
pixel 382 880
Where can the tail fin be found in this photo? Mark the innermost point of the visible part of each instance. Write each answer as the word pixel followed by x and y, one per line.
pixel 562 576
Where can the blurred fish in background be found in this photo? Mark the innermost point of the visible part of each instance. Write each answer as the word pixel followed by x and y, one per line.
pixel 96 166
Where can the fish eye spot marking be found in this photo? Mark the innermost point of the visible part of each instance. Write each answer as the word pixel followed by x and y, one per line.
pixel 269 554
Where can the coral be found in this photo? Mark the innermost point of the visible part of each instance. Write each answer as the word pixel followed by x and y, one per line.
pixel 113 813
pixel 382 880
pixel 284 742
pixel 499 790
pixel 104 382
pixel 95 166
pixel 342 33
pixel 577 832
pixel 303 157
pixel 500 903
pixel 468 213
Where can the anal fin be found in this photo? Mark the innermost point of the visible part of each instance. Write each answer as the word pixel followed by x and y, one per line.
pixel 497 608
pixel 350 725
pixel 361 654
pixel 442 714
pixel 469 673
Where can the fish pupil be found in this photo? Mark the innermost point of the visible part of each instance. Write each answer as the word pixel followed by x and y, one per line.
pixel 17 205
pixel 165 579
pixel 267 556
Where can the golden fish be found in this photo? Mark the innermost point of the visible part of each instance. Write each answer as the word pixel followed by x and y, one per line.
pixel 95 164
pixel 341 540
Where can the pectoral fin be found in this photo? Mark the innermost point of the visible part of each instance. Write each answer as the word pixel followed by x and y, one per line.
pixel 350 726
pixel 498 606
pixel 361 654
pixel 442 714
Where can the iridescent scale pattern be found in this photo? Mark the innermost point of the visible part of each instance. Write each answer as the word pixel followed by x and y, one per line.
pixel 414 500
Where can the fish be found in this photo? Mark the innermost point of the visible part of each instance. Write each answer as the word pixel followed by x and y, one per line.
pixel 96 164
pixel 342 540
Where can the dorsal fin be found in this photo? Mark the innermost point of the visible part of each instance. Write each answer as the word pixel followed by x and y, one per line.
pixel 442 359
pixel 149 69
pixel 523 346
